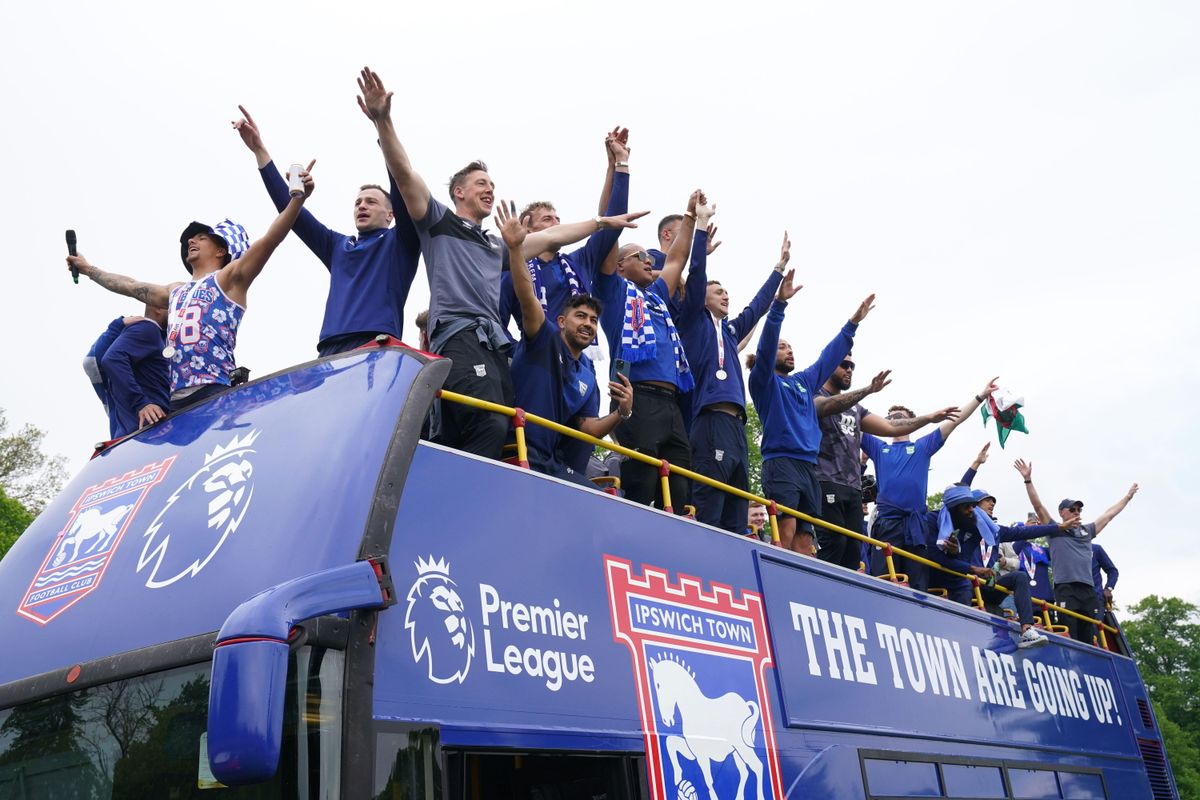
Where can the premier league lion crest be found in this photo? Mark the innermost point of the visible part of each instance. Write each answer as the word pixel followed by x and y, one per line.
pixel 204 511
pixel 437 623
pixel 85 546
pixel 700 665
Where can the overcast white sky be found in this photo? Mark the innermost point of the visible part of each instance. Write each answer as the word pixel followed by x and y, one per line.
pixel 1017 182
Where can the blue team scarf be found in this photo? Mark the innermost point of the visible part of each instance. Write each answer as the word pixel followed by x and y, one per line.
pixel 535 272
pixel 637 333
pixel 957 495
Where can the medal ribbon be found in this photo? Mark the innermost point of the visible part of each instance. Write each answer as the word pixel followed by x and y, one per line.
pixel 720 345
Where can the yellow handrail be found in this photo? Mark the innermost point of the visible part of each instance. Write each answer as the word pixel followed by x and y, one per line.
pixel 667 468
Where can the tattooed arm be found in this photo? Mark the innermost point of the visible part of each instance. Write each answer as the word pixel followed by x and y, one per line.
pixel 152 293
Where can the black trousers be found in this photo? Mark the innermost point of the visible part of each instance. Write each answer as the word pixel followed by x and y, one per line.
pixel 842 506
pixel 1017 582
pixel 1080 598
pixel 655 429
pixel 720 452
pixel 482 373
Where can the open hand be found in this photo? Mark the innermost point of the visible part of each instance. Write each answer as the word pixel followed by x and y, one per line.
pixel 943 414
pixel 712 243
pixel 622 220
pixel 879 381
pixel 863 309
pixel 786 290
pixel 785 253
pixel 982 458
pixel 1025 468
pixel 511 229
pixel 374 100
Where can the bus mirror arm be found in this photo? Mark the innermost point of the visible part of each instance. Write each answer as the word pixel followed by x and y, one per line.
pixel 249 669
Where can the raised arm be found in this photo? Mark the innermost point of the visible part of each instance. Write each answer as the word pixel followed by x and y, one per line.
pixel 968 408
pixel 745 322
pixel 836 404
pixel 153 293
pixel 376 102
pixel 317 237
pixel 1116 508
pixel 236 278
pixel 554 238
pixel 822 369
pixel 768 343
pixel 672 271
pixel 533 316
pixel 616 148
pixel 1026 470
pixel 882 426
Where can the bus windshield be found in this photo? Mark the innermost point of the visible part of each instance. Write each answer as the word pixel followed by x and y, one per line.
pixel 145 737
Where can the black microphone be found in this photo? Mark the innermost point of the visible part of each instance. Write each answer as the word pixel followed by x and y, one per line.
pixel 71 251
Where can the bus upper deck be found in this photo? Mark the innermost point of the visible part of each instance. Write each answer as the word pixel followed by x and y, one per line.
pixel 284 590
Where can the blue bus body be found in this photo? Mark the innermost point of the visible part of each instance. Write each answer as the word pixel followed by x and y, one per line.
pixel 520 618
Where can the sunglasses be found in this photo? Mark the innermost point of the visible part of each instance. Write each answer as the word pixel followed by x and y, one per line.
pixel 847 364
pixel 641 255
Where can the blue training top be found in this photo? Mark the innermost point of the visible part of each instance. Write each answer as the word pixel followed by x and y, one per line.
pixel 549 382
pixel 136 375
pixel 91 362
pixel 785 403
pixel 585 261
pixel 698 330
pixel 369 274
pixel 902 469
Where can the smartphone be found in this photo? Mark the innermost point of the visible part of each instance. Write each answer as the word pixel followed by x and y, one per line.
pixel 620 367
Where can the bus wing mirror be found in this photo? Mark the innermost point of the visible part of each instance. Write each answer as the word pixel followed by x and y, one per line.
pixel 250 657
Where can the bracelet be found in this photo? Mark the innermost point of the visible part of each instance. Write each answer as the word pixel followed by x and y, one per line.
pixel 621 416
pixel 689 214
pixel 978 399
pixel 621 164
pixel 599 224
pixel 1029 481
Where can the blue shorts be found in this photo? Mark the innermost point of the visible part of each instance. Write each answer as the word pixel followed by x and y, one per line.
pixel 793 483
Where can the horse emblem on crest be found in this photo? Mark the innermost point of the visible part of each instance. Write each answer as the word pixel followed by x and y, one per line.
pixel 700 663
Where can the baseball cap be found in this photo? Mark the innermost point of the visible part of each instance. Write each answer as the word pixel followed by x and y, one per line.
pixel 1068 503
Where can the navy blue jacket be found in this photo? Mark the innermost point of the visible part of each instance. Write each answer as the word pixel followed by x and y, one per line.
pixel 135 375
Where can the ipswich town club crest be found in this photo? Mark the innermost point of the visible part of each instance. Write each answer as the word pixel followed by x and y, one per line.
pixel 200 515
pixel 700 661
pixel 87 542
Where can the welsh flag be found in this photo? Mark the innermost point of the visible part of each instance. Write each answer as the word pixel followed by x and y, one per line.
pixel 1004 407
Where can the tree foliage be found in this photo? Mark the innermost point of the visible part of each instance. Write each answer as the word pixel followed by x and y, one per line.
pixel 753 436
pixel 28 475
pixel 1164 635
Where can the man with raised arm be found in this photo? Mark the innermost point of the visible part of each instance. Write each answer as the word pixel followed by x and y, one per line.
pixel 204 314
pixel 642 334
pixel 902 469
pixel 558 276
pixel 552 376
pixel 785 400
pixel 1071 554
pixel 843 421
pixel 962 537
pixel 710 338
pixel 463 263
pixel 370 272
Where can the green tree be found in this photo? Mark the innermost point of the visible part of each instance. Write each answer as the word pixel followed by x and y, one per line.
pixel 1164 635
pixel 934 501
pixel 753 437
pixel 14 519
pixel 28 475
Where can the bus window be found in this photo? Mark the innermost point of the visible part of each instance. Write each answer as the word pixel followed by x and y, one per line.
pixel 144 737
pixel 902 778
pixel 407 763
pixel 1033 784
pixel 530 776
pixel 969 780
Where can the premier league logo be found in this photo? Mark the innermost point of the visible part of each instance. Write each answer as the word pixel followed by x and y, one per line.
pixel 700 663
pixel 200 515
pixel 84 547
pixel 437 623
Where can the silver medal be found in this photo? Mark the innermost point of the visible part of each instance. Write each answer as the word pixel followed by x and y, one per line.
pixel 169 351
pixel 722 374
pixel 1033 583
